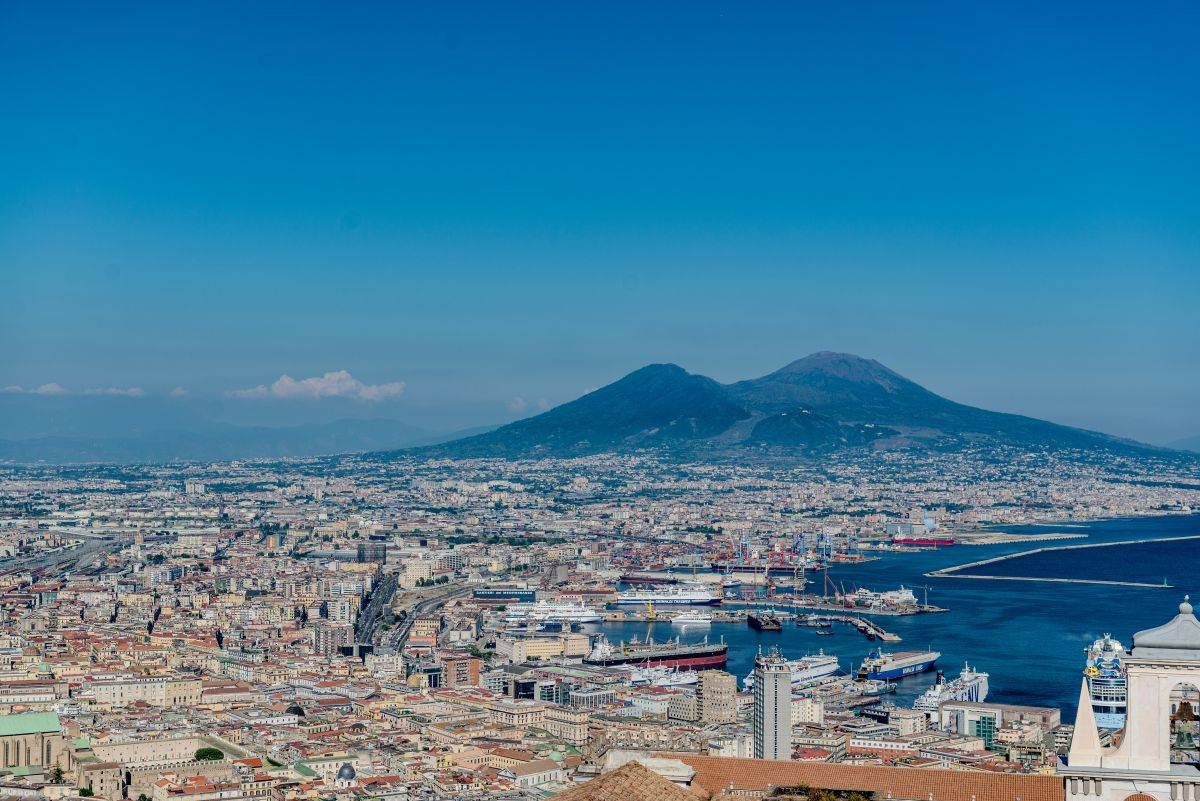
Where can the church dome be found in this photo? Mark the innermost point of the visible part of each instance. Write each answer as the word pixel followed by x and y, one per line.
pixel 346 773
pixel 1177 640
pixel 296 709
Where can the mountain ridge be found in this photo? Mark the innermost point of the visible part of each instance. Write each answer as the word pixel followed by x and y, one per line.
pixel 824 402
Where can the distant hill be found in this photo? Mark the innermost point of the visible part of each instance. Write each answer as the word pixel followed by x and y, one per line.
pixel 215 442
pixel 659 404
pixel 821 403
pixel 1187 444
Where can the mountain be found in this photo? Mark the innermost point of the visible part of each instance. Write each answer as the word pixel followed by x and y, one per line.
pixel 819 404
pixel 1187 444
pixel 659 404
pixel 214 442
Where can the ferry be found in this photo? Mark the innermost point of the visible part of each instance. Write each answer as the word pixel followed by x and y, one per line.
pixel 971 685
pixel 685 594
pixel 691 619
pixel 805 671
pixel 552 611
pixel 662 676
pixel 879 665
pixel 1105 675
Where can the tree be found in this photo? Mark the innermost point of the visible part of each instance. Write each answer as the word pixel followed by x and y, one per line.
pixel 209 754
pixel 86 792
pixel 56 775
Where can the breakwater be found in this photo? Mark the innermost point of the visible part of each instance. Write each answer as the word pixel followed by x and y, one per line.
pixel 958 571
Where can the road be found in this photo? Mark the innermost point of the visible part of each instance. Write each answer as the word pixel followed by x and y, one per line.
pixel 397 637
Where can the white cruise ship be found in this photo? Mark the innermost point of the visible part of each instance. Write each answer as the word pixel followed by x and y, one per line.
pixel 1105 674
pixel 552 611
pixel 971 685
pixel 691 619
pixel 685 594
pixel 805 670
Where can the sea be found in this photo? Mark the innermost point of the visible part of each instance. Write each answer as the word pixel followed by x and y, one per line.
pixel 1030 637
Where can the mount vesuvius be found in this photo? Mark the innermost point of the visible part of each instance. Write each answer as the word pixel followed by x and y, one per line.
pixel 821 403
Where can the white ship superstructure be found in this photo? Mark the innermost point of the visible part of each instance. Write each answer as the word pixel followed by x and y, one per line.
pixel 552 611
pixel 1105 674
pixel 805 670
pixel 685 594
pixel 970 685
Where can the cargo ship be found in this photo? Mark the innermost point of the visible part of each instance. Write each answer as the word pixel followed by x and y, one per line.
pixel 764 621
pixel 672 653
pixel 922 541
pixel 881 666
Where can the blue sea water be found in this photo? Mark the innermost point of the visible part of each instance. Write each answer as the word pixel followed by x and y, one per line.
pixel 1029 636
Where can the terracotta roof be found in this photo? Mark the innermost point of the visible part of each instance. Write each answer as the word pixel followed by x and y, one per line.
pixel 714 774
pixel 630 782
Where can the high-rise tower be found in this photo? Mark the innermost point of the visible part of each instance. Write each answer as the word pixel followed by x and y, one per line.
pixel 772 706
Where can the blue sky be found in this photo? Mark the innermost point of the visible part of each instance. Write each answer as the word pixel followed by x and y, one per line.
pixel 503 205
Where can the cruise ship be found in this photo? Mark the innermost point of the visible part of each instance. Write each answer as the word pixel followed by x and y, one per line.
pixel 552 611
pixel 1105 674
pixel 806 670
pixel 879 665
pixel 971 685
pixel 685 594
pixel 692 619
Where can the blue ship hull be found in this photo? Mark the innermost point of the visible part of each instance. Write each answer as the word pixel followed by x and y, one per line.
pixel 898 673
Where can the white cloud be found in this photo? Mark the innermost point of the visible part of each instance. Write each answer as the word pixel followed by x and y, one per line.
pixel 179 392
pixel 518 404
pixel 44 389
pixel 122 392
pixel 543 404
pixel 338 384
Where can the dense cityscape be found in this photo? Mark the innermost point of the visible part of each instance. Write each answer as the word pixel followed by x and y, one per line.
pixel 362 627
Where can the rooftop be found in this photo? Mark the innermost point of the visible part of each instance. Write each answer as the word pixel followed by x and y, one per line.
pixel 29 723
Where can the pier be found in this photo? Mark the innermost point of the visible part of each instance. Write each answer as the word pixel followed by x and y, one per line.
pixel 954 571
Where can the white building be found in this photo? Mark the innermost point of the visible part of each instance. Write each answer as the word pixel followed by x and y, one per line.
pixel 1164 663
pixel 773 707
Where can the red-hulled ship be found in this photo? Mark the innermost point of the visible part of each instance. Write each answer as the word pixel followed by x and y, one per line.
pixel 926 541
pixel 696 656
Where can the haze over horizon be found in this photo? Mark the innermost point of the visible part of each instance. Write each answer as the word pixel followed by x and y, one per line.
pixel 463 215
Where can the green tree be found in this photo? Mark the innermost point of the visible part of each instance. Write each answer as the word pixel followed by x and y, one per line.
pixel 86 792
pixel 209 754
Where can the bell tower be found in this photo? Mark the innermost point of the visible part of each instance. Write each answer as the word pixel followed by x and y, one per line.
pixel 1164 660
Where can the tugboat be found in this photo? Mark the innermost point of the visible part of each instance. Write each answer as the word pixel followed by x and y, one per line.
pixel 764 621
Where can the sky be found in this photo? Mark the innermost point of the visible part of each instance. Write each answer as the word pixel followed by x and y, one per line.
pixel 457 214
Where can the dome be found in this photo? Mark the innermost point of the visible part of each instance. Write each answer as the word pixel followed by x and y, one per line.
pixel 346 773
pixel 1177 640
pixel 295 709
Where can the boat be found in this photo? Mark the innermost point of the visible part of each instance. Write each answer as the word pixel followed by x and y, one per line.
pixel 925 542
pixel 806 670
pixel 694 656
pixel 684 594
pixel 764 621
pixel 824 632
pixel 1105 676
pixel 691 619
pixel 552 611
pixel 814 621
pixel 880 665
pixel 970 685
pixel 661 676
